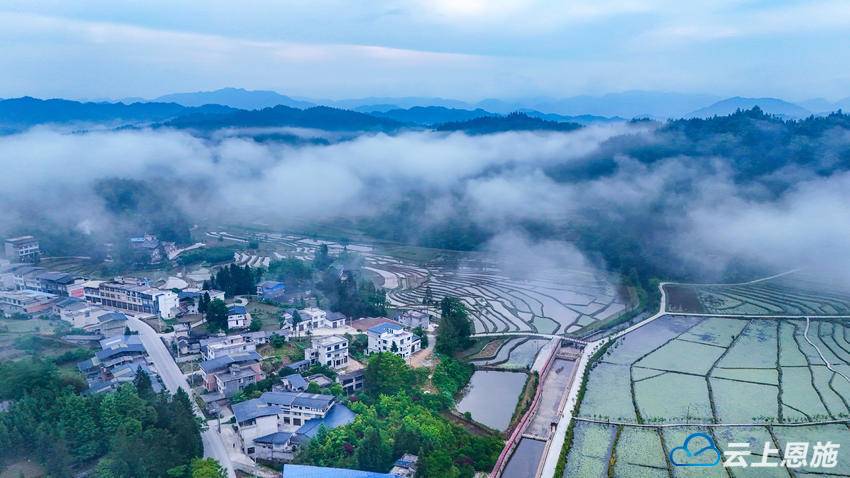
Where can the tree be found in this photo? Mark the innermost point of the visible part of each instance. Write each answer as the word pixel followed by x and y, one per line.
pixel 374 453
pixel 143 384
pixel 314 387
pixel 322 258
pixel 387 373
pixel 216 315
pixel 428 297
pixel 236 280
pixel 423 336
pixel 256 324
pixel 455 329
pixel 206 468
pixel 203 302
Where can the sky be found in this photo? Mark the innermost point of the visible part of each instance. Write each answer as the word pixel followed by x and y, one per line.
pixel 465 49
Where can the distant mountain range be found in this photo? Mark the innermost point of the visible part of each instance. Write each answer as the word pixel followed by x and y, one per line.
pixel 582 108
pixel 432 115
pixel 820 105
pixel 20 113
pixel 318 117
pixel 235 98
pixel 27 111
pixel 771 106
pixel 234 107
pixel 510 122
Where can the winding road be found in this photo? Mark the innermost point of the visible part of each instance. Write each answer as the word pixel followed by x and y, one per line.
pixel 173 379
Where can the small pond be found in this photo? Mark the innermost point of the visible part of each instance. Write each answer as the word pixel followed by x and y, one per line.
pixel 491 397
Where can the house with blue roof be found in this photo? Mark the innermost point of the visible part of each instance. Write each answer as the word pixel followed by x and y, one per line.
pixel 308 471
pixel 392 337
pixel 271 290
pixel 238 317
pixel 275 425
pixel 229 374
pixel 294 383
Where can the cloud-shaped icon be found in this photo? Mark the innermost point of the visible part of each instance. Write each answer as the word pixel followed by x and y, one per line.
pixel 698 450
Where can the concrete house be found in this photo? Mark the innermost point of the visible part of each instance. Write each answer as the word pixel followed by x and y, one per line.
pixel 331 351
pixel 389 337
pixel 230 374
pixel 238 317
pixel 133 296
pixel 315 318
pixel 215 347
pixel 413 318
pixel 271 290
pixel 275 425
pixel 22 249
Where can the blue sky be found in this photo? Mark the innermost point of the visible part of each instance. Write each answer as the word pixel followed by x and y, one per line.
pixel 467 49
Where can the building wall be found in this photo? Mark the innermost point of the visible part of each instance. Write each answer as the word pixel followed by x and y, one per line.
pixel 262 426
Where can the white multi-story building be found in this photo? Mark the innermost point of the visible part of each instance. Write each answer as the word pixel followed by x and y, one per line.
pixel 331 351
pixel 22 249
pixel 275 425
pixel 238 317
pixel 315 318
pixel 389 337
pixel 228 345
pixel 134 297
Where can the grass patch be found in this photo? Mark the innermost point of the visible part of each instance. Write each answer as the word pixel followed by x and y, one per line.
pixel 528 392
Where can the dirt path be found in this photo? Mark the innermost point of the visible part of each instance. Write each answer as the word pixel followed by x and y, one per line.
pixel 425 357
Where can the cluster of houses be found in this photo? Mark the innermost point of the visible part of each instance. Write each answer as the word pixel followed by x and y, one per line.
pixel 120 359
pixel 274 425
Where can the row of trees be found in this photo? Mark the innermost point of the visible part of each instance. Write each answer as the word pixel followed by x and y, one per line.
pixel 352 296
pixel 455 329
pixel 235 280
pixel 130 432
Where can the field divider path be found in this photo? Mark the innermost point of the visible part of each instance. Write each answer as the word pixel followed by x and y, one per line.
pixel 710 425
pixel 826 362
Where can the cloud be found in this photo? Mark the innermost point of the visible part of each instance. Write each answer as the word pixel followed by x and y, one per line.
pixel 698 450
pixel 576 192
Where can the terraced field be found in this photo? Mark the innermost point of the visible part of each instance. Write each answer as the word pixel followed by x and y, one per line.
pixel 514 353
pixel 791 294
pixel 550 302
pixel 737 379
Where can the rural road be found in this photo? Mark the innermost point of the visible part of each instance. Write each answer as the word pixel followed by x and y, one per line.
pixel 553 450
pixel 173 379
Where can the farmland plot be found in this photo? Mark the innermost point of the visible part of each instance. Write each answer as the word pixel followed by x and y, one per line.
pixel 788 295
pixel 686 368
pixel 556 301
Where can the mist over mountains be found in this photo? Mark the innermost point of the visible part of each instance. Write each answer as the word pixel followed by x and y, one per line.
pixel 693 198
pixel 629 104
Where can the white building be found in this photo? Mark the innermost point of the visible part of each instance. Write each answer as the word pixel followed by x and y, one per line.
pixel 22 249
pixel 331 351
pixel 315 318
pixel 238 317
pixel 275 425
pixel 227 345
pixel 413 319
pixel 389 337
pixel 130 295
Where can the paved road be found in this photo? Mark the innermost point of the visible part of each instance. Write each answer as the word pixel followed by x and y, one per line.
pixel 556 442
pixel 529 334
pixel 173 379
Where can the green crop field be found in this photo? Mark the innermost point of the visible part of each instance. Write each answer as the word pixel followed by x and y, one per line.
pixel 791 294
pixel 738 379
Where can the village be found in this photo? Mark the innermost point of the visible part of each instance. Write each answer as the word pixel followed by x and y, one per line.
pixel 268 367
